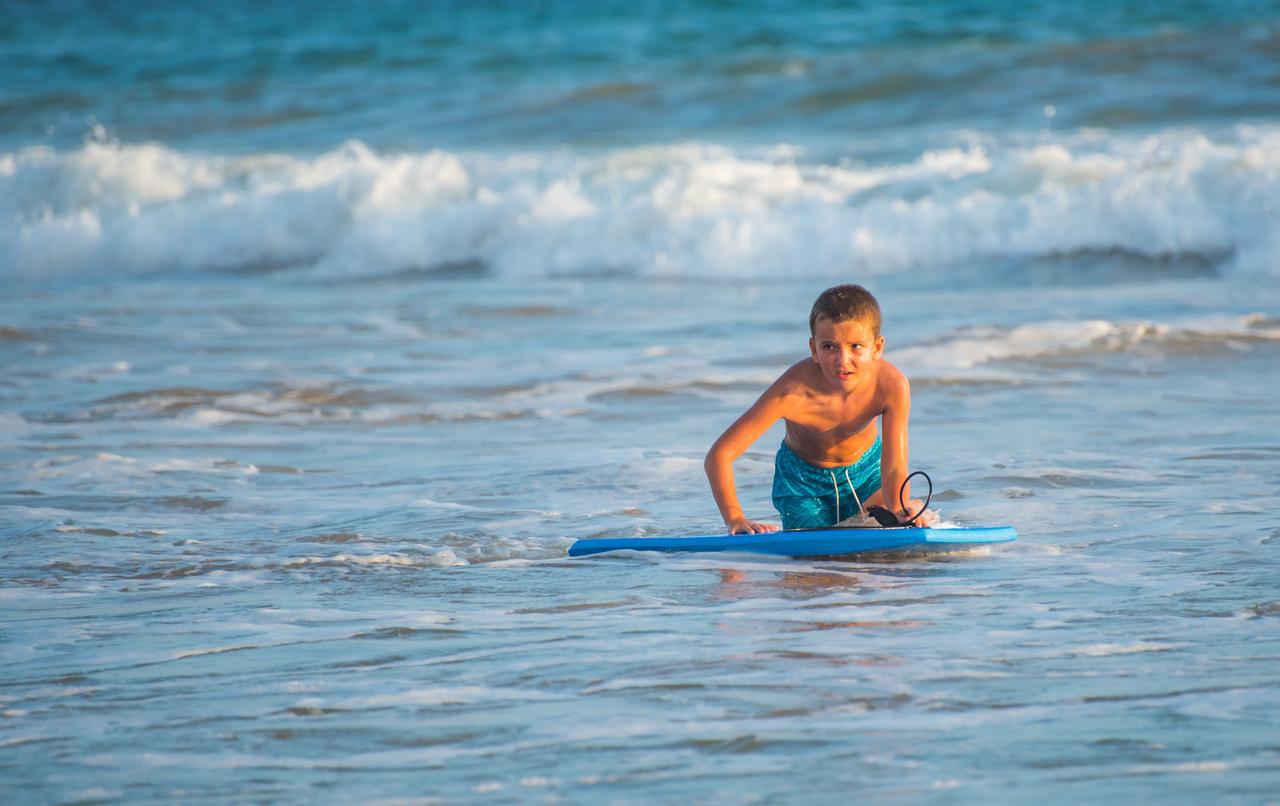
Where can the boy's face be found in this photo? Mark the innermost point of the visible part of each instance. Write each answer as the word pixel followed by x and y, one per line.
pixel 846 351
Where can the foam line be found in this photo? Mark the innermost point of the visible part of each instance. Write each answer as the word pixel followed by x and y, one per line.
pixel 694 209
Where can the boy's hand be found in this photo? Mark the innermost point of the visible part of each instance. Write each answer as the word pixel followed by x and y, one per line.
pixel 742 526
pixel 926 519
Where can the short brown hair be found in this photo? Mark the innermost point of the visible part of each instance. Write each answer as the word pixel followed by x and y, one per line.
pixel 844 302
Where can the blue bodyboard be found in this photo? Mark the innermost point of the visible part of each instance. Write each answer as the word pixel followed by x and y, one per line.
pixel 832 541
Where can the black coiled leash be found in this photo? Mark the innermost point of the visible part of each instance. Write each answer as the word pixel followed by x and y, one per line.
pixel 886 518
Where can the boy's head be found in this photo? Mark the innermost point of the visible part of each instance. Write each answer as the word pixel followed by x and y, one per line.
pixel 842 303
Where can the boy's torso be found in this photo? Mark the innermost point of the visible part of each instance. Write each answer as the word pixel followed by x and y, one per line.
pixel 830 429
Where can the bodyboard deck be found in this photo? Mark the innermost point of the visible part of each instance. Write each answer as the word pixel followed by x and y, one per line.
pixel 831 541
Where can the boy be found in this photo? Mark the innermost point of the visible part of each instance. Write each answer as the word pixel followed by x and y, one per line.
pixel 831 464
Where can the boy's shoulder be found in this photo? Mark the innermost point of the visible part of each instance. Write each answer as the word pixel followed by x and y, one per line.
pixel 800 387
pixel 802 377
pixel 891 379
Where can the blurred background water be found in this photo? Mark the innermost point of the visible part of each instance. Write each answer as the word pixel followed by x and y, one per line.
pixel 327 328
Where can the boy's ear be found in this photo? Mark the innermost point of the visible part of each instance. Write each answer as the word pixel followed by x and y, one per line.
pixel 879 346
pixel 813 349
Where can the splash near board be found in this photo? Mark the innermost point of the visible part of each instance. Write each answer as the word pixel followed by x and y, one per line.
pixel 831 541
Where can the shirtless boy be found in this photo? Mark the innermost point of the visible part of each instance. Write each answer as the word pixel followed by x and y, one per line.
pixel 833 461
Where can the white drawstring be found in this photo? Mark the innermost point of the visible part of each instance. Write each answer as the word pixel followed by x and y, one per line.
pixel 853 490
pixel 836 486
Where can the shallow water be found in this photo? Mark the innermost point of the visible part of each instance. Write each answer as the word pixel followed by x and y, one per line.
pixel 313 540
pixel 322 345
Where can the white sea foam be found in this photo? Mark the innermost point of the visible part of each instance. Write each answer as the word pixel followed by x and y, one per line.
pixel 446 695
pixel 1104 650
pixel 983 346
pixel 457 552
pixel 966 354
pixel 32 514
pixel 690 209
pixel 105 467
pixel 355 559
pixel 427 503
pixel 1185 767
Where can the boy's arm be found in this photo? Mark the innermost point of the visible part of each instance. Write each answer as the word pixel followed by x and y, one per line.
pixel 737 438
pixel 893 435
pixel 893 457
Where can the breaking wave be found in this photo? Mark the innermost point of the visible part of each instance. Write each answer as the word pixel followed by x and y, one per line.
pixel 693 209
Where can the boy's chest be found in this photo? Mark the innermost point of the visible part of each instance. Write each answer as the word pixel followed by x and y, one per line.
pixel 835 421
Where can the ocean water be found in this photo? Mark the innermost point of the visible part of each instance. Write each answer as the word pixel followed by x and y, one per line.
pixel 326 329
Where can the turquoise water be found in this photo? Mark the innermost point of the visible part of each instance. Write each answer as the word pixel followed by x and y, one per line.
pixel 306 77
pixel 327 330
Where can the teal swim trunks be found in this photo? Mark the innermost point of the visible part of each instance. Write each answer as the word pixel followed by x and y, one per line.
pixel 809 497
